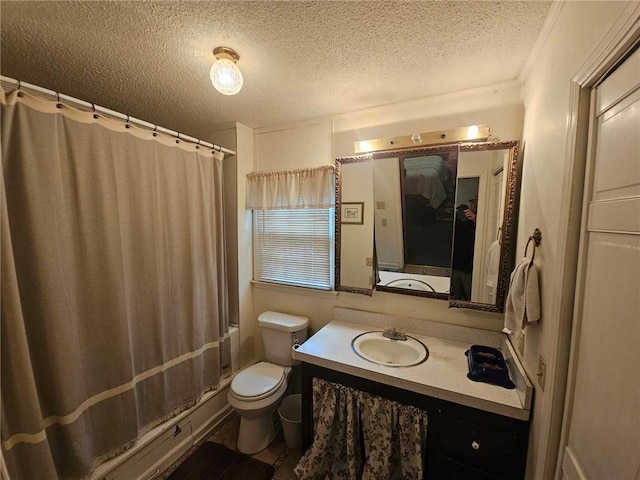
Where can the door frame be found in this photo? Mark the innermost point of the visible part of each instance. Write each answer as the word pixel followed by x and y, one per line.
pixel 577 184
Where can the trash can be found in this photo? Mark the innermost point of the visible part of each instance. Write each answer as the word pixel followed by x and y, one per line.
pixel 290 412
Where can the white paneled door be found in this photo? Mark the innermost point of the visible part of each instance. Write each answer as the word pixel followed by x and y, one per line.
pixel 603 440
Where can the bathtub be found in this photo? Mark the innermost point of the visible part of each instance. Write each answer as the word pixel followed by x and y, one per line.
pixel 156 450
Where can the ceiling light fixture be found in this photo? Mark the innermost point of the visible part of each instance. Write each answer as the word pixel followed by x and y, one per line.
pixel 225 74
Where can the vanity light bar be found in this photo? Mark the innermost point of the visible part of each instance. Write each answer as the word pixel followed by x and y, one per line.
pixel 470 133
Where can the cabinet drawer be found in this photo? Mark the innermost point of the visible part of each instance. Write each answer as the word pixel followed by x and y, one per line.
pixel 492 450
pixel 445 468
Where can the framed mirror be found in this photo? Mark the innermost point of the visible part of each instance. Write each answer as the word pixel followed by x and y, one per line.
pixel 483 253
pixel 441 221
pixel 354 244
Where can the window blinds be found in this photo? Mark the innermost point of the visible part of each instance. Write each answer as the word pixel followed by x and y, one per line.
pixel 294 246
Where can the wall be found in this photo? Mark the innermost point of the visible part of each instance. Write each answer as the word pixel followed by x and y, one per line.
pixel 319 142
pixel 546 203
pixel 238 220
pixel 572 33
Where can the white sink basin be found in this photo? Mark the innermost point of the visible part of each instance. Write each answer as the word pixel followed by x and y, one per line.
pixel 374 347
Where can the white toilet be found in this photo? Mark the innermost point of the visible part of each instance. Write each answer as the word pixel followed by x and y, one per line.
pixel 256 391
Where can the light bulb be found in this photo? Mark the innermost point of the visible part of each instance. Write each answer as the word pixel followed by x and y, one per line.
pixel 226 76
pixel 472 131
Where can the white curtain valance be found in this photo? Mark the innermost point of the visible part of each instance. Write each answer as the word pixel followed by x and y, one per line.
pixel 302 188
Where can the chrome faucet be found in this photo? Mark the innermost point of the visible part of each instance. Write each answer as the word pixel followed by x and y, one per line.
pixel 394 334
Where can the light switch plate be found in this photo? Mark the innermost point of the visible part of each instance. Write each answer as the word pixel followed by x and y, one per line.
pixel 381 205
pixel 542 371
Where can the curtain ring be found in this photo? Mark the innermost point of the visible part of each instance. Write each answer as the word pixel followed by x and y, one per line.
pixel 155 130
pixel 127 124
pixel 93 109
pixel 178 139
pixel 58 104
pixel 198 145
pixel 20 94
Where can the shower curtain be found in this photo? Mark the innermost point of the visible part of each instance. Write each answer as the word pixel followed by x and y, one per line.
pixel 114 294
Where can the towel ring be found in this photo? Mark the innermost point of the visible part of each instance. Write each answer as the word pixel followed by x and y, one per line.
pixel 537 239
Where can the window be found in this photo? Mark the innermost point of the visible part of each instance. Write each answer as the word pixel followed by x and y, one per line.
pixel 294 246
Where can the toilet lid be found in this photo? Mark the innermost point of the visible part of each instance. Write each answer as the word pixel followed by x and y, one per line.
pixel 257 381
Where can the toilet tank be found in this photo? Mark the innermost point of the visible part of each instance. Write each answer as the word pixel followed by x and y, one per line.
pixel 280 331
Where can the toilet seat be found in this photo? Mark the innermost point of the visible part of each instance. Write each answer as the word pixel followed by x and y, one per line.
pixel 258 381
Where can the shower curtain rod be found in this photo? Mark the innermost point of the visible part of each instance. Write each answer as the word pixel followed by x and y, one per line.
pixel 112 113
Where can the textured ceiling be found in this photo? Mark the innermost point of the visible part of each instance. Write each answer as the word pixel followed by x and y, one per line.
pixel 300 60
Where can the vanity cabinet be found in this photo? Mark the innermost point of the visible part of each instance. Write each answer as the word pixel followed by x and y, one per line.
pixel 462 442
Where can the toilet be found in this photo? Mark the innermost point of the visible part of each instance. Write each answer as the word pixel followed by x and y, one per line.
pixel 256 391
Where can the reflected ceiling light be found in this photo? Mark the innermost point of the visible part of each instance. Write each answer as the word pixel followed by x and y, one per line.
pixel 225 74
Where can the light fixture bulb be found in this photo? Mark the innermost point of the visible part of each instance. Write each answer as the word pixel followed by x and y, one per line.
pixel 225 75
pixel 472 132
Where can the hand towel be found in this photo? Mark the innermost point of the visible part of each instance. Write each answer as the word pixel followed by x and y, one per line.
pixel 522 307
pixel 493 265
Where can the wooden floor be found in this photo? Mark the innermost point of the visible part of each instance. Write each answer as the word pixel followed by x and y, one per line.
pixel 277 454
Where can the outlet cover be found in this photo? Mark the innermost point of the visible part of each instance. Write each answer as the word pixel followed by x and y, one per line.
pixel 381 205
pixel 542 372
pixel 384 222
pixel 369 262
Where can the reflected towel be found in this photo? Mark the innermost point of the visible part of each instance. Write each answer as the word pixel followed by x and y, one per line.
pixel 493 264
pixel 429 186
pixel 523 300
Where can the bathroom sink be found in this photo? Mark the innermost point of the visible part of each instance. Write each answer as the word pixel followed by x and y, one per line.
pixel 376 348
pixel 412 284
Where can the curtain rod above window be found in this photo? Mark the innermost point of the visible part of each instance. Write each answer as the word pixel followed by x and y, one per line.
pixel 112 113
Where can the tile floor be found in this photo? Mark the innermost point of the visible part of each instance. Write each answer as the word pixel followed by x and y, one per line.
pixel 277 454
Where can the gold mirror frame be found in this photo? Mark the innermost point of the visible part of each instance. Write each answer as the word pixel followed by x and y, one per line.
pixel 508 229
pixel 509 225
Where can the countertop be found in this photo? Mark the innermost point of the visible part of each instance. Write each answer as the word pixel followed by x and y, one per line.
pixel 443 375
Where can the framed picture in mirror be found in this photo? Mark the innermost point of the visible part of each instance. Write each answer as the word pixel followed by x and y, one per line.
pixel 351 213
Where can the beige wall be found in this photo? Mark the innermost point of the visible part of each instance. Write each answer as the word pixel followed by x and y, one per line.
pixel 544 106
pixel 545 202
pixel 500 106
pixel 238 220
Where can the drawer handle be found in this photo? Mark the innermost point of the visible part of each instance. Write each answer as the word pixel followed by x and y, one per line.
pixel 178 431
pixel 475 445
